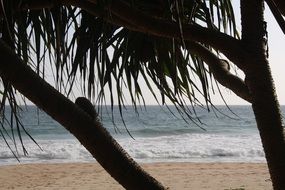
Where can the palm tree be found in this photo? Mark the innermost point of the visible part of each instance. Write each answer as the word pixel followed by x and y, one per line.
pixel 112 44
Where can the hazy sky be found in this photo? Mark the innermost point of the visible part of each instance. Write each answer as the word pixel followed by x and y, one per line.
pixel 277 55
pixel 276 59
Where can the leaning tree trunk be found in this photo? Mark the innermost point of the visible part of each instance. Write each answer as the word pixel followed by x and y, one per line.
pixel 260 83
pixel 90 133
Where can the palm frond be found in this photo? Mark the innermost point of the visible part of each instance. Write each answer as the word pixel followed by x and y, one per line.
pixel 102 57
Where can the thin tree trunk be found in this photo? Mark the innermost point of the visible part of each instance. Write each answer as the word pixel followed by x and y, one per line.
pixel 268 118
pixel 90 133
pixel 260 83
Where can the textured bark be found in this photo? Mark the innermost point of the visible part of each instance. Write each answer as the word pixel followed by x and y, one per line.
pixel 268 118
pixel 260 83
pixel 90 133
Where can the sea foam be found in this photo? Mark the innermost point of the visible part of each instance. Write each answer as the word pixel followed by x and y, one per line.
pixel 158 137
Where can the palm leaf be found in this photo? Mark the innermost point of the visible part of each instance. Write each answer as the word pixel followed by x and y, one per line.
pixel 89 51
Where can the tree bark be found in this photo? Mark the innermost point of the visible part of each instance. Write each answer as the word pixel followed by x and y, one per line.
pixel 260 83
pixel 90 133
pixel 269 122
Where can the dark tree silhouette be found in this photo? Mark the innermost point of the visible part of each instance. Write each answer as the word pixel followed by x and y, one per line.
pixel 164 43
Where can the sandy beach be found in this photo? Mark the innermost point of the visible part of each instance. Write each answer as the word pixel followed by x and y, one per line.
pixel 178 176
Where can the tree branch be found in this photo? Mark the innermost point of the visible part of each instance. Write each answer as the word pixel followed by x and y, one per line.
pixel 91 134
pixel 220 70
pixel 277 14
pixel 119 13
pixel 138 21
pixel 228 45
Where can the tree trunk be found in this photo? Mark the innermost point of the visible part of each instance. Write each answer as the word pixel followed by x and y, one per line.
pixel 268 118
pixel 260 83
pixel 90 133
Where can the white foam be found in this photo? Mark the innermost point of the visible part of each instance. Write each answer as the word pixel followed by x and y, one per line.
pixel 196 147
pixel 186 147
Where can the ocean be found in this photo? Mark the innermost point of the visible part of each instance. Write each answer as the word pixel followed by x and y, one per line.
pixel 159 135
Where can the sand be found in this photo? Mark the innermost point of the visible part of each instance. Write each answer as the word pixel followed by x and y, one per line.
pixel 178 176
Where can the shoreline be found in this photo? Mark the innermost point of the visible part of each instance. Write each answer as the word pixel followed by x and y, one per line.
pixel 175 175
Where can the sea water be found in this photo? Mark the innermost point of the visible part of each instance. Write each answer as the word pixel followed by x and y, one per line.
pixel 159 134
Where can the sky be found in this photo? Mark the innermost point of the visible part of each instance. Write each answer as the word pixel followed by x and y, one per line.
pixel 276 60
pixel 277 55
